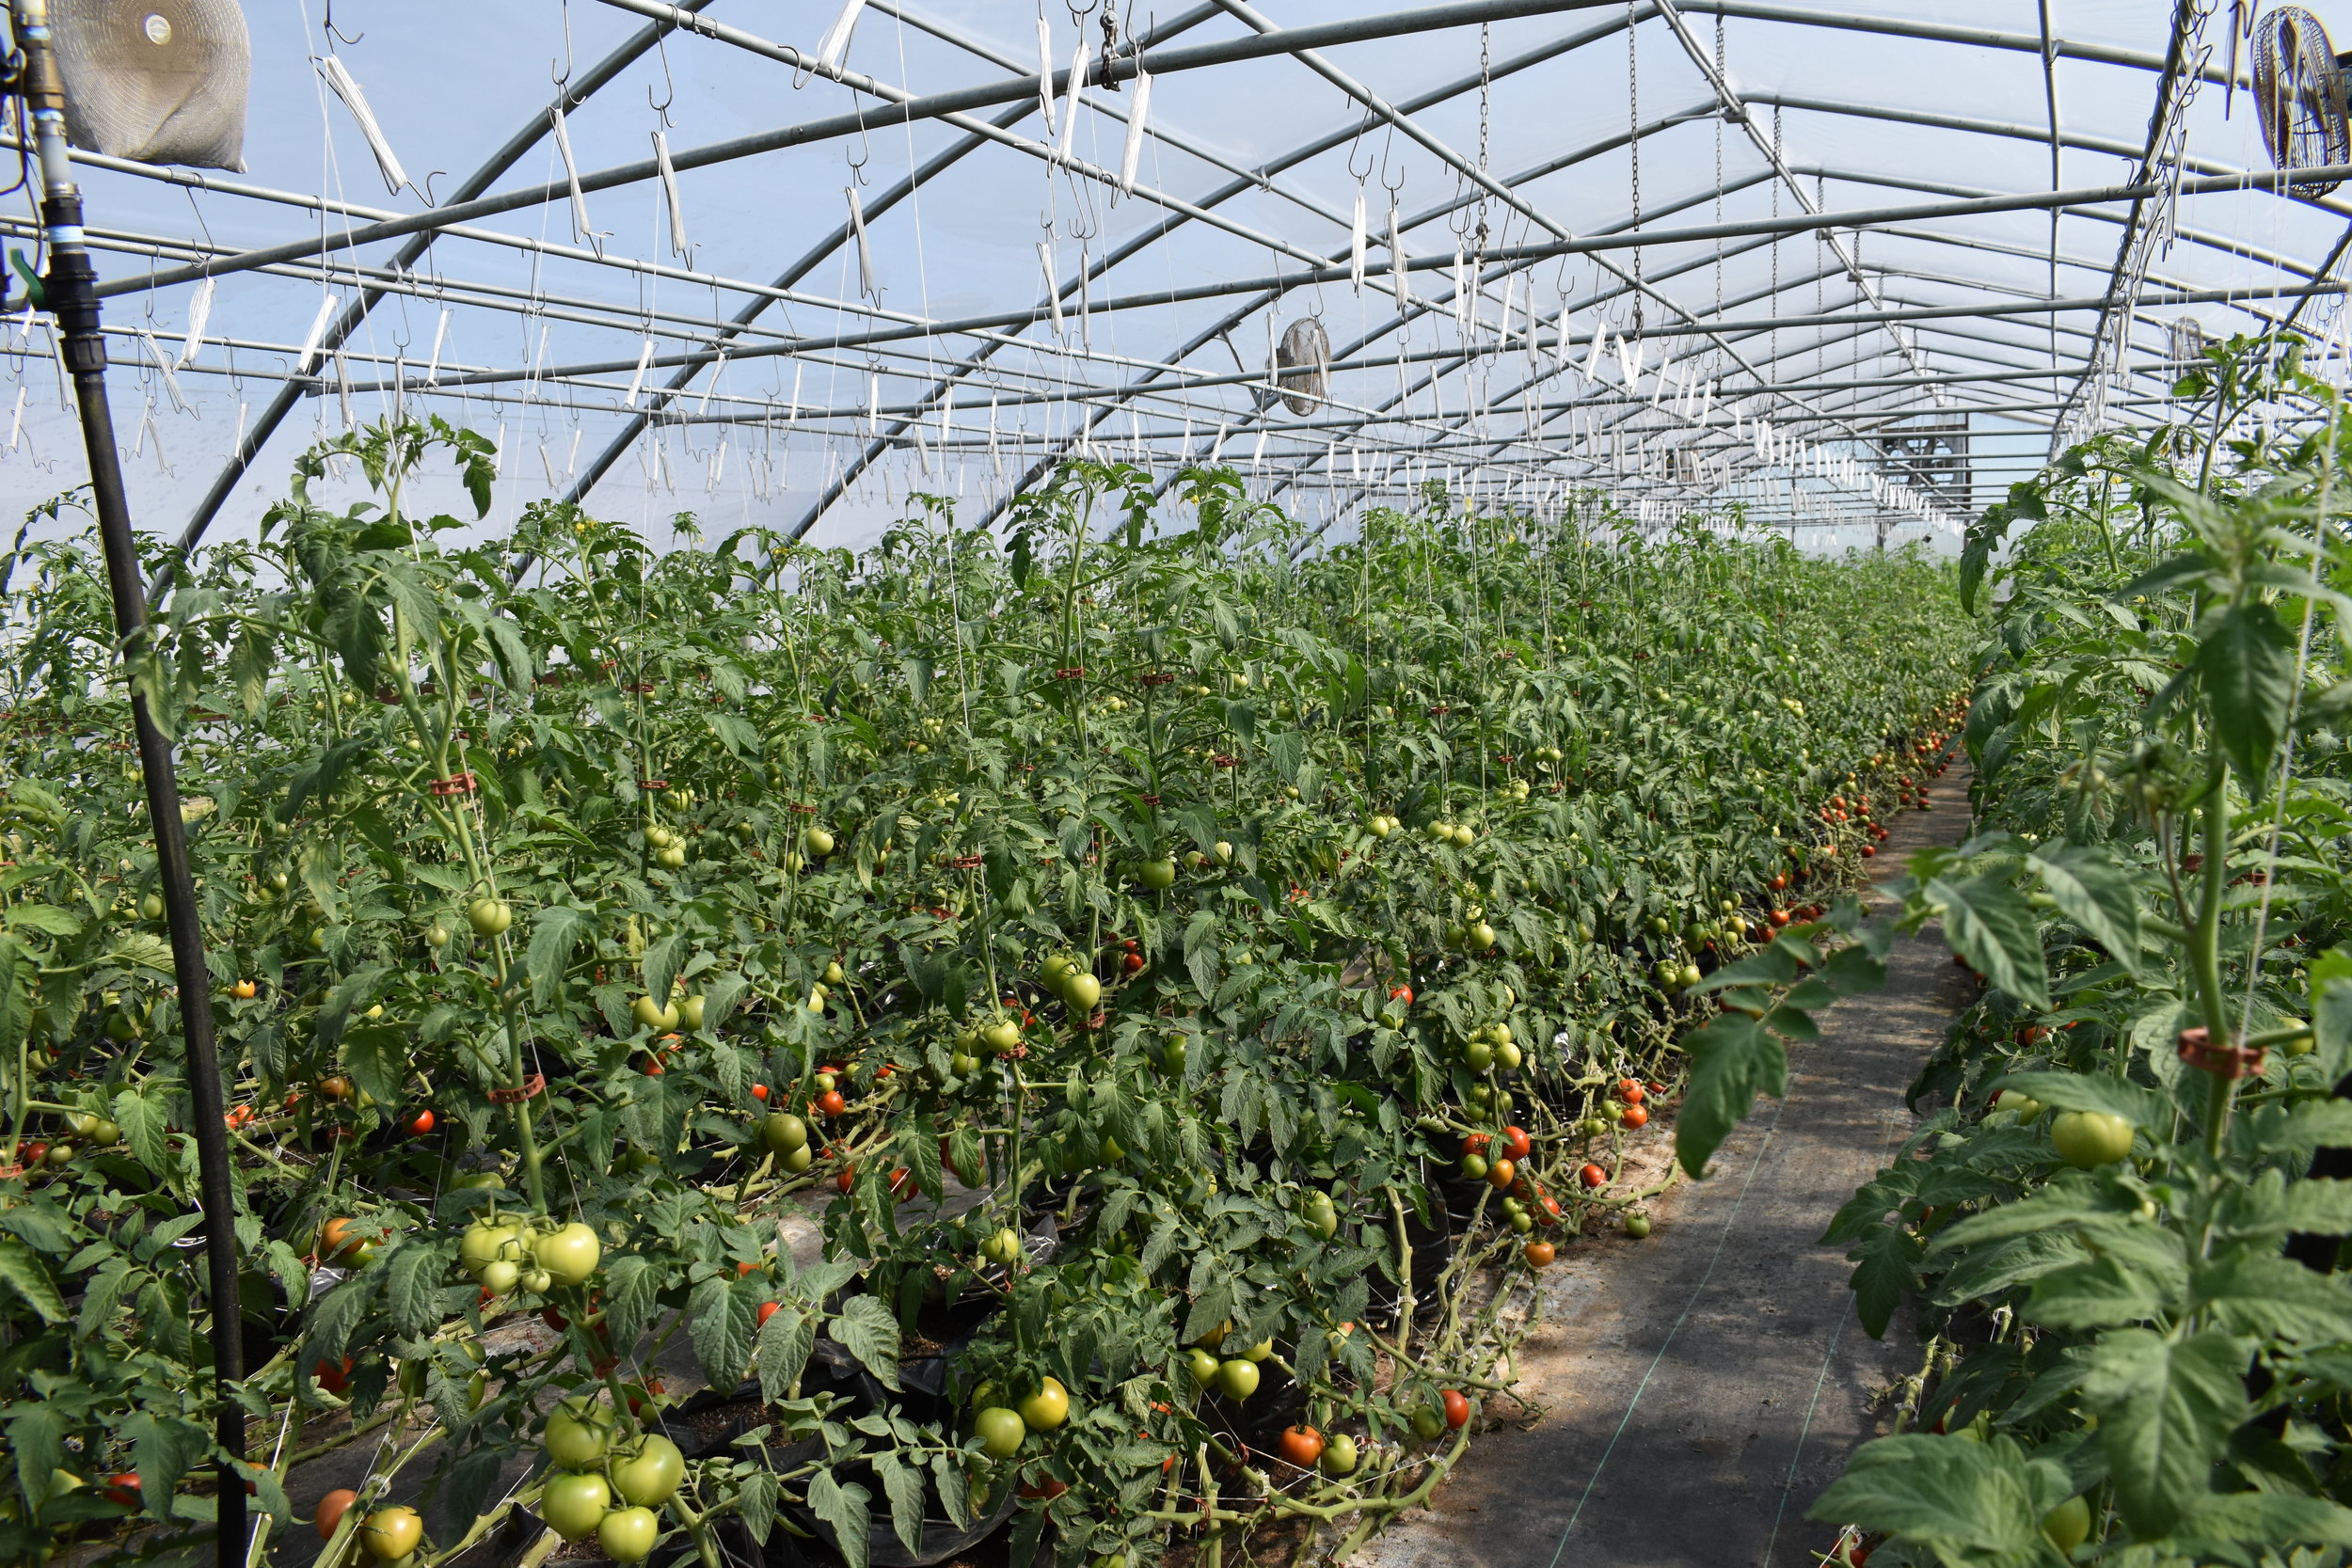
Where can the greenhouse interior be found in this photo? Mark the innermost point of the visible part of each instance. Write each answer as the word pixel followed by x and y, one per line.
pixel 1540 782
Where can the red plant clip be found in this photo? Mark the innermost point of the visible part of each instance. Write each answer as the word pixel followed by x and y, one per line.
pixel 968 863
pixel 653 784
pixel 1158 677
pixel 532 1087
pixel 2195 1047
pixel 804 811
pixel 1148 799
pixel 462 784
pixel 1074 672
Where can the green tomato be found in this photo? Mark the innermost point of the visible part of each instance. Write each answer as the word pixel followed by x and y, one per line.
pixel 817 843
pixel 1322 1216
pixel 1046 1409
pixel 499 1276
pixel 1478 1055
pixel 1428 1423
pixel 1507 1056
pixel 783 1133
pixel 1637 1226
pixel 627 1534
pixel 650 1014
pixel 1000 1432
pixel 486 1242
pixel 570 1254
pixel 1339 1455
pixel 1237 1379
pixel 392 1534
pixel 649 1478
pixel 1202 1365
pixel 1083 992
pixel 2088 1138
pixel 1002 1037
pixel 2068 1525
pixel 575 1436
pixel 573 1505
pixel 1479 937
pixel 798 1159
pixel 1160 874
pixel 1172 1055
pixel 490 917
pixel 689 1013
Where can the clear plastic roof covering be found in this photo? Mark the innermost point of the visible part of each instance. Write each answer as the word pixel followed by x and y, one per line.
pixel 788 263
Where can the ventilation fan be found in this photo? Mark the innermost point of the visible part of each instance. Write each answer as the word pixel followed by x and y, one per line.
pixel 2299 95
pixel 155 81
pixel 1302 365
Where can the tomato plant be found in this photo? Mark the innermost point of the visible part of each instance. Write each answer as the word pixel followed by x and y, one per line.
pixel 1094 945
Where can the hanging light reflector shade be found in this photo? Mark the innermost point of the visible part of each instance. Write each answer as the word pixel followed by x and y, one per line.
pixel 155 81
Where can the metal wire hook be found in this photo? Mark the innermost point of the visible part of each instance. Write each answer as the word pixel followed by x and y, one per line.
pixel 335 33
pixel 669 83
pixel 563 78
pixel 1395 189
pixel 1364 173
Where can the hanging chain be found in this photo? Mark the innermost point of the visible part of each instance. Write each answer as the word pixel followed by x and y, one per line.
pixel 1486 105
pixel 1777 162
pixel 1633 142
pixel 1720 76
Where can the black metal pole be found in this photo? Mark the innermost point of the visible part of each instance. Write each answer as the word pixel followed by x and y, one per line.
pixel 69 286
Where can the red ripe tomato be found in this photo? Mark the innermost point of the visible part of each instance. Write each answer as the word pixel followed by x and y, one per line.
pixel 830 1103
pixel 652 1068
pixel 1636 1116
pixel 1547 1208
pixel 759 1092
pixel 1868 850
pixel 903 1185
pixel 1501 1174
pixel 422 1123
pixel 1539 1253
pixel 1301 1446
pixel 35 1152
pixel 554 1317
pixel 1780 917
pixel 1131 963
pixel 1630 1090
pixel 1780 882
pixel 331 1509
pixel 332 1377
pixel 1457 1409
pixel 1516 1140
pixel 123 1488
pixel 847 1178
pixel 1477 1143
pixel 1592 1176
pixel 1050 1488
pixel 766 1310
pixel 1401 993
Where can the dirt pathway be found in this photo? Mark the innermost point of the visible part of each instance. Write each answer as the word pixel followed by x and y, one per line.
pixel 1701 1388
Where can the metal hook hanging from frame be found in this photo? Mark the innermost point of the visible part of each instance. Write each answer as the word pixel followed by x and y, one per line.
pixel 668 84
pixel 336 33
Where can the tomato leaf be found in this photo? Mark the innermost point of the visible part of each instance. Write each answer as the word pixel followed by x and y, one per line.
pixel 719 1325
pixel 1886 1265
pixel 2245 661
pixel 2095 890
pixel 920 1142
pixel 870 1331
pixel 144 1125
pixel 412 1287
pixel 785 1342
pixel 902 1483
pixel 844 1511
pixel 661 966
pixel 1733 1059
pixel 36 1435
pixel 947 1477
pixel 2255 1293
pixel 376 1055
pixel 555 930
pixel 756 1504
pixel 1962 1499
pixel 2165 1411
pixel 1990 925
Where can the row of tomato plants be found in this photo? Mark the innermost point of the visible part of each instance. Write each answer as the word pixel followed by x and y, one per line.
pixel 1181 994
pixel 2119 1226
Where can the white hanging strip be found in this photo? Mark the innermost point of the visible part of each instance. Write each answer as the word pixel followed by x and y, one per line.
pixel 794 411
pixel 946 416
pixel 1510 299
pixel 1257 454
pixel 669 188
pixel 1071 101
pixel 327 304
pixel 1356 242
pixel 16 421
pixel 163 365
pixel 1396 259
pixel 710 382
pixel 1052 282
pixel 571 458
pixel 873 404
pixel 1600 347
pixel 1136 113
pixel 1630 353
pixel 200 313
pixel 440 335
pixel 347 88
pixel 865 254
pixel 637 382
pixel 836 40
pixel 571 174
pixel 1045 77
pixel 1461 288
